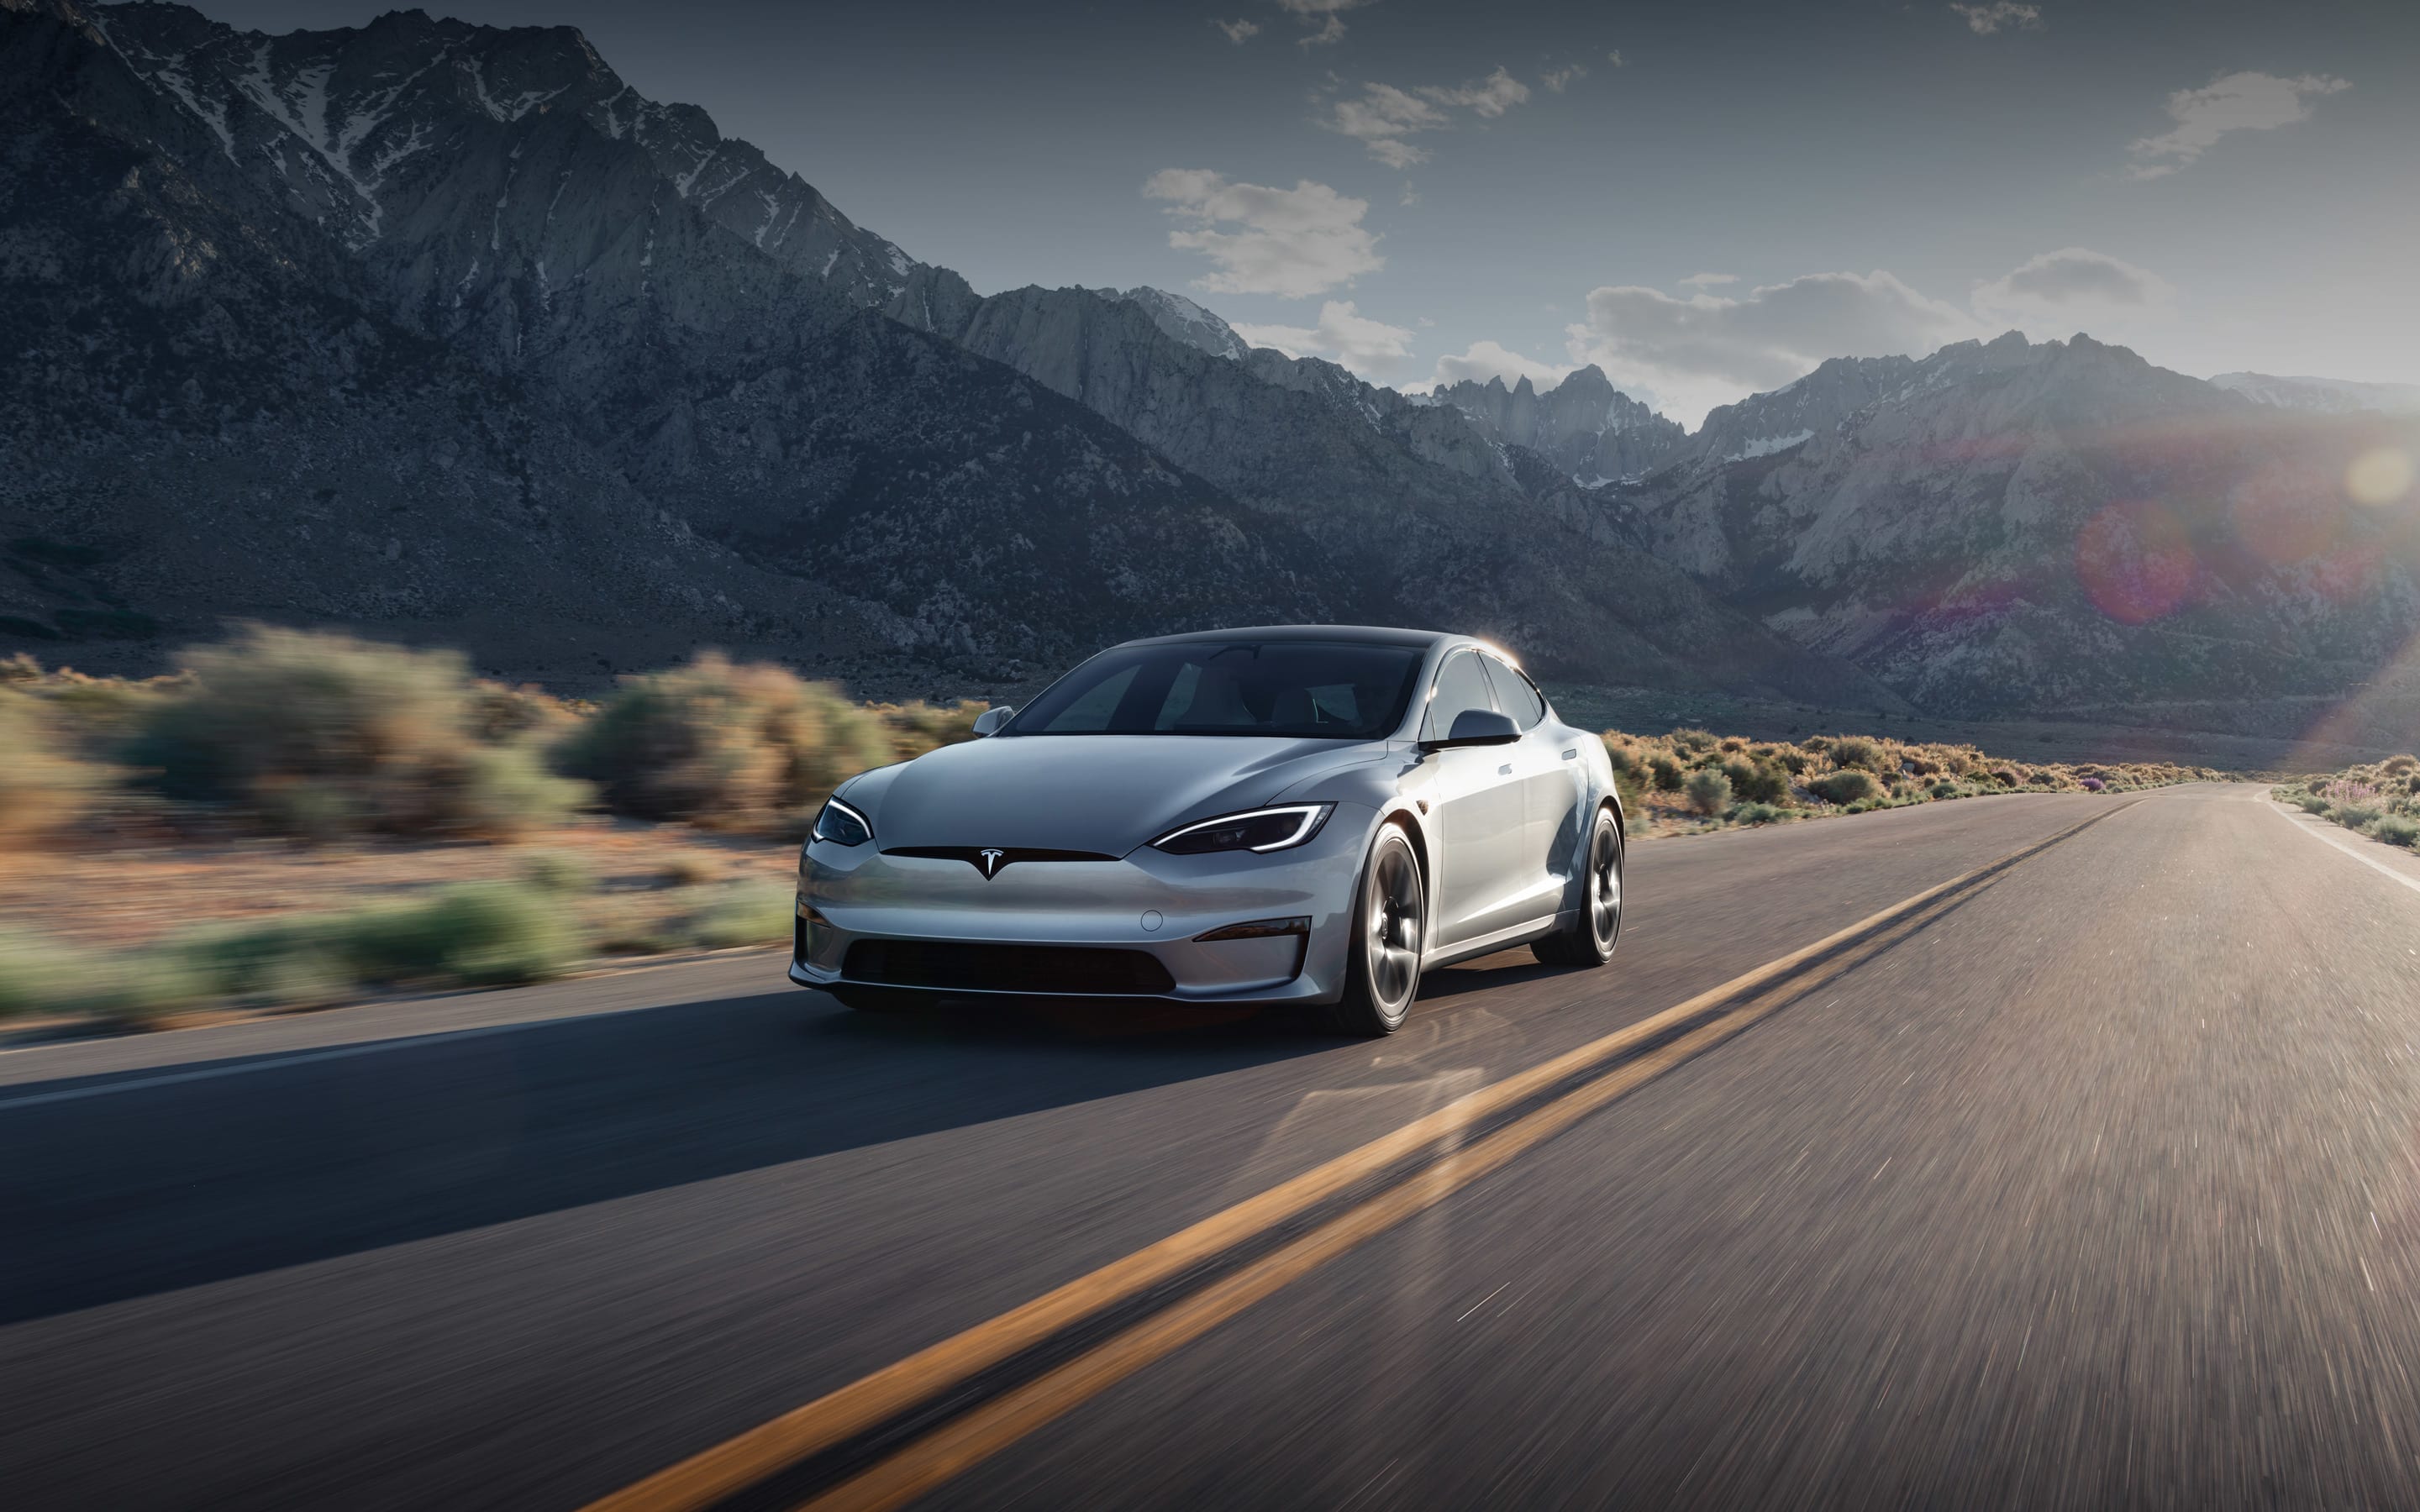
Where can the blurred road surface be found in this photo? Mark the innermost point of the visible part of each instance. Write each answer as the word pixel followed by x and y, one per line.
pixel 2102 1187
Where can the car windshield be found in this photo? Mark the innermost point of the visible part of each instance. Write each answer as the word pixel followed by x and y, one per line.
pixel 1313 689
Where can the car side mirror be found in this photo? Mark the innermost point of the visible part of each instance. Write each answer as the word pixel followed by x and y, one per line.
pixel 1476 727
pixel 989 721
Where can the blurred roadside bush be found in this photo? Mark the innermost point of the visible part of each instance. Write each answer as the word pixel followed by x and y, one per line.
pixel 43 788
pixel 726 746
pixel 323 736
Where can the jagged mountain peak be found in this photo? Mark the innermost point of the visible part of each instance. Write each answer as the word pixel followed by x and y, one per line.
pixel 1582 423
pixel 378 133
pixel 1184 320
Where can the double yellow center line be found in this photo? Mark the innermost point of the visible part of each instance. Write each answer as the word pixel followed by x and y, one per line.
pixel 1596 1073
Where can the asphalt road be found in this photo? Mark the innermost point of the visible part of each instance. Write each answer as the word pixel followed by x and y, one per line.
pixel 2100 1187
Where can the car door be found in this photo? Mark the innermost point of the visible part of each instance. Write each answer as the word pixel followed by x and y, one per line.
pixel 1479 816
pixel 1550 794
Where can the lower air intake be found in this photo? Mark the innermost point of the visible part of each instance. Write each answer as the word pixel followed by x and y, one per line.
pixel 1059 970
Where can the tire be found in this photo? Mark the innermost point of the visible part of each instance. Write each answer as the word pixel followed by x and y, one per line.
pixel 1389 925
pixel 1588 941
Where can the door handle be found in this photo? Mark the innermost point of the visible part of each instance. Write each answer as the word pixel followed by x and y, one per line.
pixel 1572 754
pixel 1505 770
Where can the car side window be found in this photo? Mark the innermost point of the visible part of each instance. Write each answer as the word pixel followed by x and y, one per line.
pixel 1514 693
pixel 1460 685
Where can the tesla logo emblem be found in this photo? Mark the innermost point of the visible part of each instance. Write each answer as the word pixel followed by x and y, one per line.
pixel 991 863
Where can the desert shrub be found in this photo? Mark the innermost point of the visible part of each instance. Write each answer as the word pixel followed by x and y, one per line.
pixel 686 871
pixel 1857 751
pixel 38 974
pixel 2395 830
pixel 1757 813
pixel 478 933
pixel 1709 791
pixel 2308 802
pixel 1944 789
pixel 1818 744
pixel 747 747
pixel 1731 745
pixel 1620 754
pixel 42 788
pixel 558 872
pixel 498 714
pixel 1794 759
pixel 2396 765
pixel 1757 781
pixel 2351 803
pixel 34 973
pixel 321 735
pixel 1665 771
pixel 1634 800
pixel 2006 777
pixel 1847 786
pixel 2093 784
pixel 1691 742
pixel 919 727
pixel 747 913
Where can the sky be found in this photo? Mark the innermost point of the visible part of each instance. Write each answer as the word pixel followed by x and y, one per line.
pixel 1705 199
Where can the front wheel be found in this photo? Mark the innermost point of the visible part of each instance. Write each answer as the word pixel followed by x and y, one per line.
pixel 1389 929
pixel 1589 940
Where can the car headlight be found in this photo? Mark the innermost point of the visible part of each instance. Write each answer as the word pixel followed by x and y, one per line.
pixel 842 824
pixel 1260 829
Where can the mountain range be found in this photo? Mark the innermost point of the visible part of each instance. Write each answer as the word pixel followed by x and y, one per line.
pixel 443 333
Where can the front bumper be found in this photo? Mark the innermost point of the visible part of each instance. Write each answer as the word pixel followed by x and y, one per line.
pixel 1148 901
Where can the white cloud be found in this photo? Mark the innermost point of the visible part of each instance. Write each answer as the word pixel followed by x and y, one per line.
pixel 1486 360
pixel 2072 283
pixel 1490 97
pixel 1709 280
pixel 1615 58
pixel 1327 13
pixel 2230 103
pixel 1382 118
pixel 1382 115
pixel 1370 348
pixel 1983 19
pixel 1294 242
pixel 1239 31
pixel 1687 355
pixel 1560 80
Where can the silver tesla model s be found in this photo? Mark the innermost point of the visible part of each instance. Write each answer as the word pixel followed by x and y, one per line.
pixel 1289 814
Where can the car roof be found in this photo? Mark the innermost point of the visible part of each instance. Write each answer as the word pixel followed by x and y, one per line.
pixel 1365 634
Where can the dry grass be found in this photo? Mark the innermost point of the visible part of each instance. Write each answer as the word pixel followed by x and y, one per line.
pixel 2381 799
pixel 1692 779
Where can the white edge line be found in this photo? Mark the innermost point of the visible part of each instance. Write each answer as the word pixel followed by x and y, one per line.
pixel 2350 848
pixel 273 1062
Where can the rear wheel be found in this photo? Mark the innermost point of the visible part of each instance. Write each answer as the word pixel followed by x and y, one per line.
pixel 1589 940
pixel 1389 928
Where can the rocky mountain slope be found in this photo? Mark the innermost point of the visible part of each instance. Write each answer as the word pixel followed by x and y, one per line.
pixel 531 361
pixel 444 332
pixel 2324 396
pixel 2009 526
pixel 1583 424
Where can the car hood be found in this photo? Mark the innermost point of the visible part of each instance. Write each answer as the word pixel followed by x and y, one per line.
pixel 1106 794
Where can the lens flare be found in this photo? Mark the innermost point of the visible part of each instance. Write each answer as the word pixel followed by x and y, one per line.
pixel 2287 513
pixel 2379 476
pixel 2135 562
